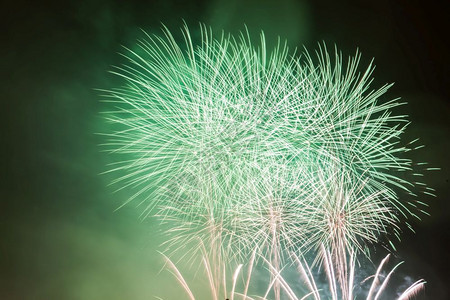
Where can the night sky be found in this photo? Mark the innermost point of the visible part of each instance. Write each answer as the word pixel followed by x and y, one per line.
pixel 61 237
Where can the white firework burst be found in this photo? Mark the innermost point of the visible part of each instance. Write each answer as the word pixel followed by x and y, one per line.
pixel 307 286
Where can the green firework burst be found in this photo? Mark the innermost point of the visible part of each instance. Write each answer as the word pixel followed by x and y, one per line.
pixel 256 148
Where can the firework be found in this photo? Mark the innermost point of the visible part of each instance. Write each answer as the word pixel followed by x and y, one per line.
pixel 221 112
pixel 242 148
pixel 371 288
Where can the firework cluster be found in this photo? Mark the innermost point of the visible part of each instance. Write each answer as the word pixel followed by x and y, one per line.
pixel 240 149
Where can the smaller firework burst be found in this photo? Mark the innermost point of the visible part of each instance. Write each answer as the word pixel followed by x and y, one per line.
pixel 239 286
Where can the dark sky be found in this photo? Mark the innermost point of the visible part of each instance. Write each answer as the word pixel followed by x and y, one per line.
pixel 62 239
